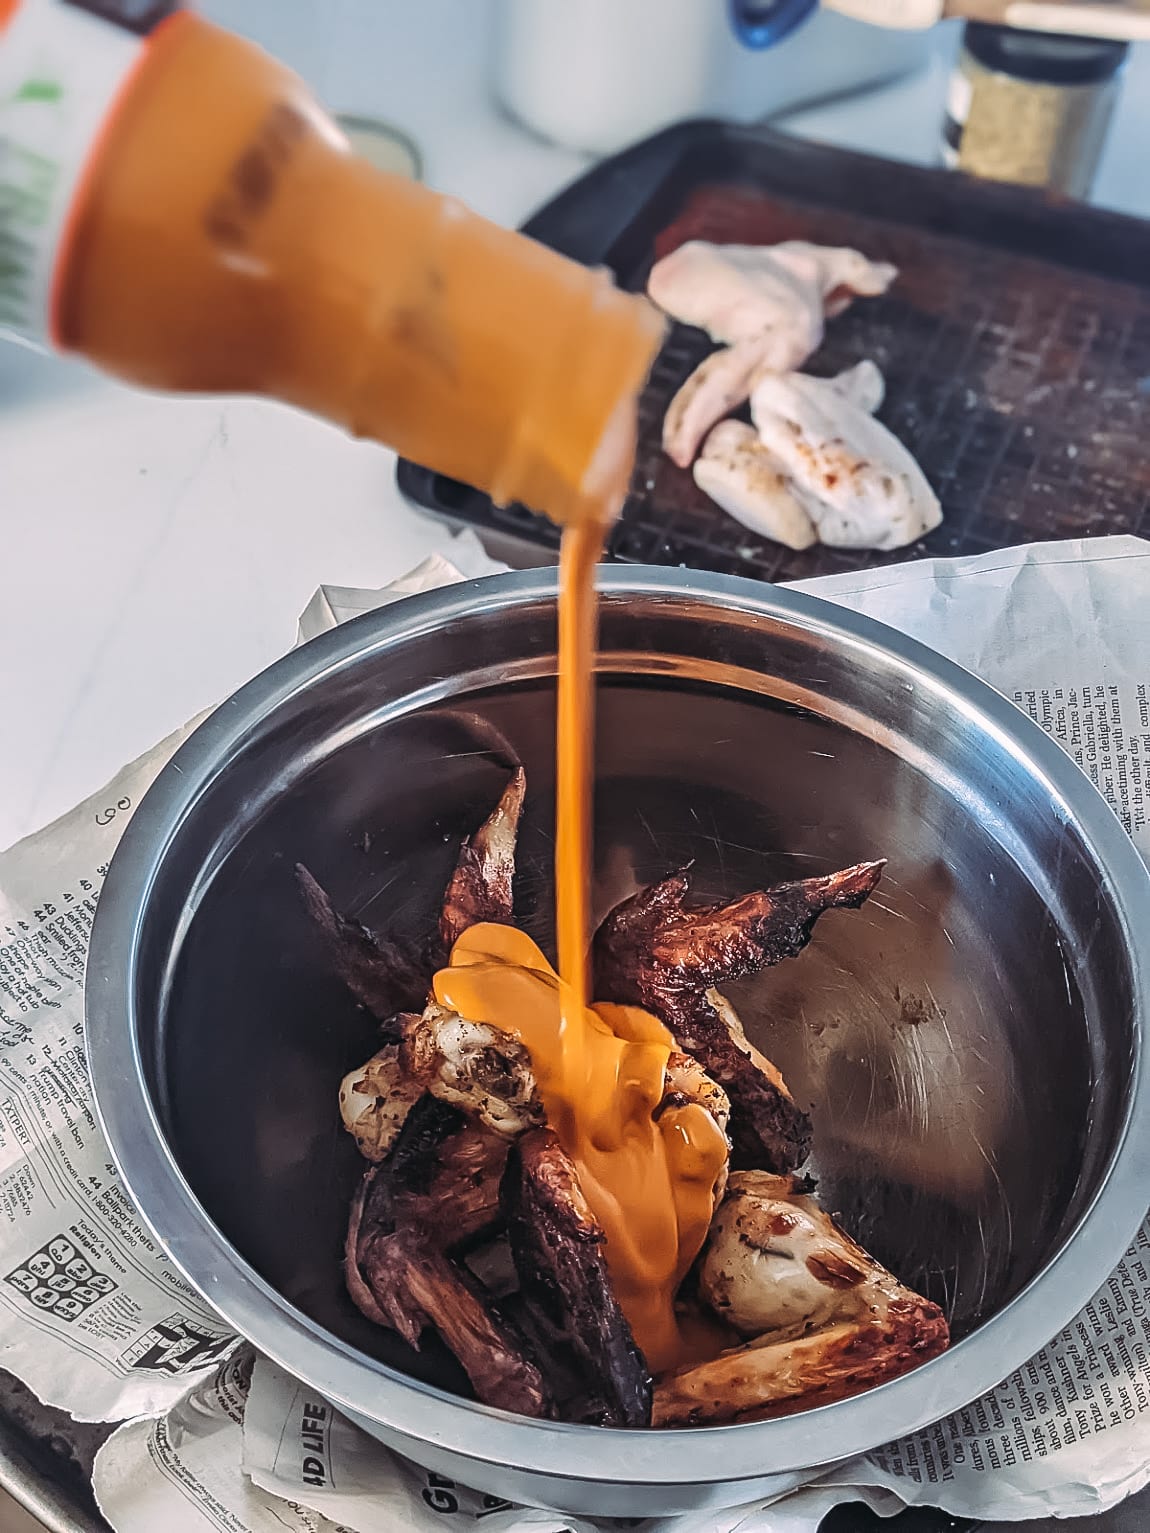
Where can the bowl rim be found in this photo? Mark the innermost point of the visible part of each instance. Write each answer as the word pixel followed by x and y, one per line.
pixel 417 1412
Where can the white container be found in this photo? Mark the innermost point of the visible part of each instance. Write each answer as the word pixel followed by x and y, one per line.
pixel 596 75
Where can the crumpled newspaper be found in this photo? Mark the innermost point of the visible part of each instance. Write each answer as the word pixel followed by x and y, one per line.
pixel 94 1318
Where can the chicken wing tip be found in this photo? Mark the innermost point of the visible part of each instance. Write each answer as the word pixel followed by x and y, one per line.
pixel 851 886
pixel 846 887
pixel 514 793
pixel 317 901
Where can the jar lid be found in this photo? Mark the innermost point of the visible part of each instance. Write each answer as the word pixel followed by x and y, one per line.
pixel 1046 58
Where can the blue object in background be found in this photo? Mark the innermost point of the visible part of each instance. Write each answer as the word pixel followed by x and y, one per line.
pixel 763 23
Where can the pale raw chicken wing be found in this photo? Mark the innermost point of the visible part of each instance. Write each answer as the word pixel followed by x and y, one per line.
pixel 766 304
pixel 777 295
pixel 741 476
pixel 858 484
pixel 749 482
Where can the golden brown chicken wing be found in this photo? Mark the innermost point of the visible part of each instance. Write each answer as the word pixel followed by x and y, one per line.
pixel 655 951
pixel 825 1319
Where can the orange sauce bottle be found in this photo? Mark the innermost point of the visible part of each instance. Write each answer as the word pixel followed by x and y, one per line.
pixel 175 207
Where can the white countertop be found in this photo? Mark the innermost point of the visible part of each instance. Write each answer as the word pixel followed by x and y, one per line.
pixel 157 552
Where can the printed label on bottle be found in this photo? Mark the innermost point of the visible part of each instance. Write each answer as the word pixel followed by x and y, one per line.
pixel 62 65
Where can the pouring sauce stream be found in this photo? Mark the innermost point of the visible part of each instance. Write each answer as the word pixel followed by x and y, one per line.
pixel 581 550
pixel 648 1169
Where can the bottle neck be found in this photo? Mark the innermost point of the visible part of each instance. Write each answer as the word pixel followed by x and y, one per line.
pixel 497 362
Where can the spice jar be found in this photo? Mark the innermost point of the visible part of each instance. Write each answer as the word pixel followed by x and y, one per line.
pixel 1031 107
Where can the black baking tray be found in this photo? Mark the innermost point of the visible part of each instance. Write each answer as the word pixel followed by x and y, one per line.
pixel 1015 344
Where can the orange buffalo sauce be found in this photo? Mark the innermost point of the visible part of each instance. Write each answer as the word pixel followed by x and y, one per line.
pixel 650 1181
pixel 574 753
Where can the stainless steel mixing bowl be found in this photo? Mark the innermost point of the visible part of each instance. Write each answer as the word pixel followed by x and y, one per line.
pixel 971 1041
